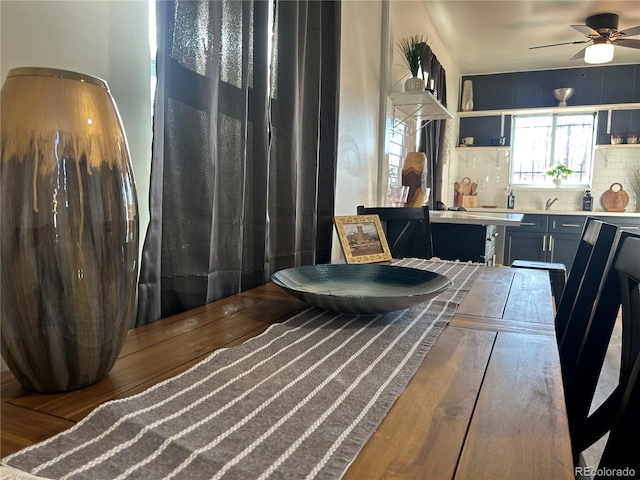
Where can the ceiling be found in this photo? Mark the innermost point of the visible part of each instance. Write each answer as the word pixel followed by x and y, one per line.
pixel 495 36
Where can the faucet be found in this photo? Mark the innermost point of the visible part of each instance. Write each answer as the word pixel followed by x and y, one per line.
pixel 547 206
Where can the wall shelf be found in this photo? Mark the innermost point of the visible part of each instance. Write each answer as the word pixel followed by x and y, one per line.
pixel 419 104
pixel 619 146
pixel 550 110
pixel 483 148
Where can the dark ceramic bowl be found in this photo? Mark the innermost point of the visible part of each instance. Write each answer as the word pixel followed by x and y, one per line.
pixel 362 289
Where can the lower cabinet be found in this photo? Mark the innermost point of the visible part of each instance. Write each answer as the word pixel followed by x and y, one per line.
pixel 464 242
pixel 544 238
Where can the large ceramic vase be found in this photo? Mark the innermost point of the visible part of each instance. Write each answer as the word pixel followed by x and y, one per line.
pixel 69 236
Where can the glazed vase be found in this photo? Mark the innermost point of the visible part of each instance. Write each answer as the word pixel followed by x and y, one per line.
pixel 414 84
pixel 69 238
pixel 467 96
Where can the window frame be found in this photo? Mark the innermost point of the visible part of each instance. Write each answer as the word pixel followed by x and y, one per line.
pixel 550 161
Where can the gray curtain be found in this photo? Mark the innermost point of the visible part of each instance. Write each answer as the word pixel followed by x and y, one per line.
pixel 432 136
pixel 244 149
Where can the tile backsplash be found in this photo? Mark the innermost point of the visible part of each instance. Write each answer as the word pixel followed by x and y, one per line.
pixel 489 168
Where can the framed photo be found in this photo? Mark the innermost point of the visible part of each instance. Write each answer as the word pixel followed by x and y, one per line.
pixel 362 239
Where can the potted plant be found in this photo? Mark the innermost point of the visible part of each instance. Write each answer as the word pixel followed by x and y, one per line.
pixel 411 49
pixel 558 171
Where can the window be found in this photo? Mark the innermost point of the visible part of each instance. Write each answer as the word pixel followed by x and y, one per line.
pixel 397 151
pixel 541 141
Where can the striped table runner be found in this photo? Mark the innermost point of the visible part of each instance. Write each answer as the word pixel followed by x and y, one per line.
pixel 298 401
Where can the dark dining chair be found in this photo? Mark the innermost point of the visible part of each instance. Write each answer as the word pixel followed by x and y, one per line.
pixel 587 270
pixel 407 229
pixel 618 414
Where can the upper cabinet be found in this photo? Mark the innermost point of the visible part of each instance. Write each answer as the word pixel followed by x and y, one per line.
pixel 613 91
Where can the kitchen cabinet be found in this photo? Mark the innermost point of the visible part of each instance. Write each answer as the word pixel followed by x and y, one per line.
pixel 545 238
pixel 607 89
pixel 554 238
pixel 628 224
pixel 464 242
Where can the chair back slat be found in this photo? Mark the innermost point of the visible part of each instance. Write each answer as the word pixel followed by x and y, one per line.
pixel 584 279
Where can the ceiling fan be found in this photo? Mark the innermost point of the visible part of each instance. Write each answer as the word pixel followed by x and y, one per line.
pixel 602 32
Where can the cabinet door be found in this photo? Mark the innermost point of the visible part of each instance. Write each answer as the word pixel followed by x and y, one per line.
pixel 562 248
pixel 525 246
pixel 455 241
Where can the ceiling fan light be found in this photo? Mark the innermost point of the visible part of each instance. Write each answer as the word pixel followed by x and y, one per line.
pixel 598 53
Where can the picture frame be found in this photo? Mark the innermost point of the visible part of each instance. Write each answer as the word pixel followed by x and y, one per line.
pixel 362 239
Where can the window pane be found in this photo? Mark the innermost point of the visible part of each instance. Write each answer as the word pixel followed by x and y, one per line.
pixel 573 145
pixel 532 140
pixel 541 141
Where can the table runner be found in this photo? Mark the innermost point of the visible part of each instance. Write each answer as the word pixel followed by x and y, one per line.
pixel 298 401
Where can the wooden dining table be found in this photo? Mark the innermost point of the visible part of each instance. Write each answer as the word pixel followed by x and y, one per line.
pixel 486 402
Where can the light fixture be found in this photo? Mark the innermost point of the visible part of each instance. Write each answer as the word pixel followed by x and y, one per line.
pixel 599 52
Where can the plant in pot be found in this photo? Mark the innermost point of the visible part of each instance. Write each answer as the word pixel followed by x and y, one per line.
pixel 558 171
pixel 411 49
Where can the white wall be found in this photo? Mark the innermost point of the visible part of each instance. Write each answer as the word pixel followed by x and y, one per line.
pixel 358 131
pixel 105 39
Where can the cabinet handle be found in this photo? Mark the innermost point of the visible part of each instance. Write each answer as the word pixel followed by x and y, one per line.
pixel 544 243
pixel 571 225
pixel 550 243
pixel 531 224
pixel 629 228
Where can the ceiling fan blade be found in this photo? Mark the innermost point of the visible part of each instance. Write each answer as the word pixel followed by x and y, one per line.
pixel 627 42
pixel 585 30
pixel 630 32
pixel 579 55
pixel 557 44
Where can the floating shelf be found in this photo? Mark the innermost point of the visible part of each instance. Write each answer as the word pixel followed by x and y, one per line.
pixel 621 146
pixel 483 148
pixel 419 104
pixel 550 110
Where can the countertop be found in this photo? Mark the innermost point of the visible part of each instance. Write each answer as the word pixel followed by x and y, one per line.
pixel 477 217
pixel 601 213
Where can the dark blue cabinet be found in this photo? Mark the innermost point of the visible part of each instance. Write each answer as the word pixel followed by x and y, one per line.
pixel 544 238
pixel 601 85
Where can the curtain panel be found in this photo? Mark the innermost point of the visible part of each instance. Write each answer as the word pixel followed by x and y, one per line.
pixel 244 148
pixel 432 139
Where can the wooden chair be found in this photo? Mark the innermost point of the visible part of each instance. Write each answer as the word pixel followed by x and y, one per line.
pixel 618 414
pixel 586 273
pixel 408 230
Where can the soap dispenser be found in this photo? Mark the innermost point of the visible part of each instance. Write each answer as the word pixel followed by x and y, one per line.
pixel 587 201
pixel 511 200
